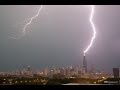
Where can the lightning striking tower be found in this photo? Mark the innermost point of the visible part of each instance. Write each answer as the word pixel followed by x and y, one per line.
pixel 28 23
pixel 91 42
pixel 94 31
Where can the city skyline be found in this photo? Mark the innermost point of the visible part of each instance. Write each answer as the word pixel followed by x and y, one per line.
pixel 58 36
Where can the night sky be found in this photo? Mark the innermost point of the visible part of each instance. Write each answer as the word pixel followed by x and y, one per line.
pixel 58 36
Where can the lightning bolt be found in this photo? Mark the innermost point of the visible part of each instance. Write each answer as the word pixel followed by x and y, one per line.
pixel 94 31
pixel 27 24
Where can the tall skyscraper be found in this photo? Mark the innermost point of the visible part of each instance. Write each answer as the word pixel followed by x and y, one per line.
pixel 84 64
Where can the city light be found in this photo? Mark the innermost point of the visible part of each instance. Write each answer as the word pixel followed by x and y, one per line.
pixel 16 81
pixel 10 82
pixel 103 77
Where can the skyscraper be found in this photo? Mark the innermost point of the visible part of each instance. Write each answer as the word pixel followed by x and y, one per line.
pixel 84 64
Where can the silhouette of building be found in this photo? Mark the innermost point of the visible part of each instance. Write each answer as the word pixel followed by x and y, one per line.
pixel 84 64
pixel 116 72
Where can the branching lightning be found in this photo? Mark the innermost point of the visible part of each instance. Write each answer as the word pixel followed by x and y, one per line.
pixel 94 31
pixel 30 21
pixel 91 16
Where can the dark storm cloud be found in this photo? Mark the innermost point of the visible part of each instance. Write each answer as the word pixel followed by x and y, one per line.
pixel 59 38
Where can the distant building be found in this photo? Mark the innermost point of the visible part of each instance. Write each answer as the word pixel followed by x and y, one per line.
pixel 62 71
pixel 68 72
pixel 45 71
pixel 51 73
pixel 29 68
pixel 29 71
pixel 76 70
pixel 54 70
pixel 84 65
pixel 116 72
pixel 92 69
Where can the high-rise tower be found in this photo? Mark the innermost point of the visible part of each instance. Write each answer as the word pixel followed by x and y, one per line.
pixel 84 64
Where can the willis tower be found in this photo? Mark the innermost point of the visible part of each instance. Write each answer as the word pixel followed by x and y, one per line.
pixel 85 64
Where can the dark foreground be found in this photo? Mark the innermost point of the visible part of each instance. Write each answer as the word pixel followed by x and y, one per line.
pixel 56 81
